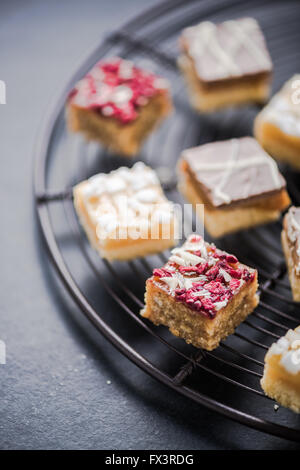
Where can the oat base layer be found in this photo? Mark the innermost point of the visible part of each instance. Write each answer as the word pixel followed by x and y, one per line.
pixel 281 392
pixel 193 327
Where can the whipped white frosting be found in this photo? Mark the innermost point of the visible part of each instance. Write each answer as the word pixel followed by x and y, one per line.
pixel 288 347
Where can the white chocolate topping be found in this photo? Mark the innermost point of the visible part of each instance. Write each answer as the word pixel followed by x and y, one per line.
pixel 219 305
pixel 186 258
pixel 288 347
pixel 126 198
pixel 225 274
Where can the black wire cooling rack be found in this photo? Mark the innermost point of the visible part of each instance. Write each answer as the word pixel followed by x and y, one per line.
pixel 227 379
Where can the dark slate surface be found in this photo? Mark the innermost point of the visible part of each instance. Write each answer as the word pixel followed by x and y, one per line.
pixel 54 389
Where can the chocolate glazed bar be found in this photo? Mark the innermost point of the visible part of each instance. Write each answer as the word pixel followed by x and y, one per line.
pixel 236 180
pixel 225 64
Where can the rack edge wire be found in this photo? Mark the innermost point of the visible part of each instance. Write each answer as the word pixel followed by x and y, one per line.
pixel 41 157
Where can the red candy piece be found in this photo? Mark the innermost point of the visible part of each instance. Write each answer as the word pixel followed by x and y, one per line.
pixel 212 272
pixel 235 273
pixel 162 272
pixel 231 259
pixel 188 269
pixel 201 268
pixel 247 276
pixel 215 287
pixel 234 284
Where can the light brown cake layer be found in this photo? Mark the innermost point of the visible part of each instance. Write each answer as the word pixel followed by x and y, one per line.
pixel 219 222
pixel 293 277
pixel 228 93
pixel 278 384
pixel 287 397
pixel 283 147
pixel 193 327
pixel 125 139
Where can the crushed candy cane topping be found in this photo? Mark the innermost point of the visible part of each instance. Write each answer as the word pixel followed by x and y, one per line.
pixel 201 276
pixel 116 88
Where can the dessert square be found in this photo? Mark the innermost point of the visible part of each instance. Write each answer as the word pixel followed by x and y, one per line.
pixel 225 64
pixel 290 239
pixel 277 126
pixel 201 294
pixel 118 104
pixel 236 180
pixel 281 379
pixel 125 213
